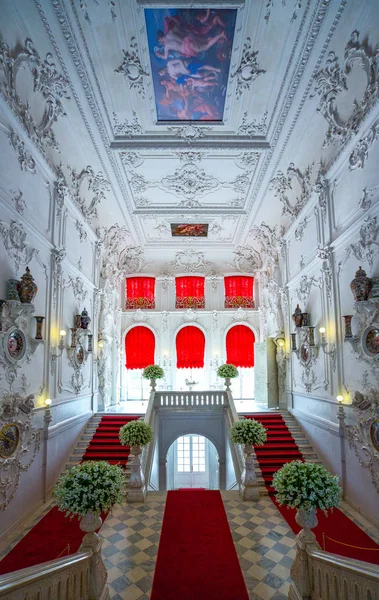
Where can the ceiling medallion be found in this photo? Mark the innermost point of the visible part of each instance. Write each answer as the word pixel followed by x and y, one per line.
pixel 248 71
pixel 190 182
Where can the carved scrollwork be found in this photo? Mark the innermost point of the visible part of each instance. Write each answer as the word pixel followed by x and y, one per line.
pixel 363 437
pixel 127 128
pixel 247 259
pixel 253 128
pixel 26 160
pixel 16 412
pixel 189 133
pixel 132 69
pixel 97 184
pixel 331 81
pixel 360 152
pixel 14 240
pixel 305 286
pixel 248 69
pixel 189 261
pixel 46 80
pixel 283 184
pixel 366 248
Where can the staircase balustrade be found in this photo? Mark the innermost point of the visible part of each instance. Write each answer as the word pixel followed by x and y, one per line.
pixel 319 575
pixel 190 400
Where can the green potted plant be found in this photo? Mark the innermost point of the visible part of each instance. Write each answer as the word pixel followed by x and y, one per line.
pixel 136 434
pixel 306 487
pixel 228 372
pixel 153 372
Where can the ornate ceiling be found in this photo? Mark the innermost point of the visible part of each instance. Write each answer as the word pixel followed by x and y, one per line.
pixel 287 115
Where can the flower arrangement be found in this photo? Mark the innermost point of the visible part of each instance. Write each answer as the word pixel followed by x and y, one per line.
pixel 92 486
pixel 135 433
pixel 304 485
pixel 227 371
pixel 248 431
pixel 153 372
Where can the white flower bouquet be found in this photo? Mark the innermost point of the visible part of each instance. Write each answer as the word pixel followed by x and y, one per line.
pixel 304 485
pixel 135 433
pixel 92 486
pixel 153 372
pixel 227 371
pixel 248 431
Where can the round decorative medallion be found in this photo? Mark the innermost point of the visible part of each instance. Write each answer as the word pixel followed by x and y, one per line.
pixel 15 344
pixel 370 341
pixel 79 354
pixel 9 439
pixel 304 353
pixel 374 434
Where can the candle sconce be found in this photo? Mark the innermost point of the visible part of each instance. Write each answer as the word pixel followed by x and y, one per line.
pixel 329 348
pixel 58 351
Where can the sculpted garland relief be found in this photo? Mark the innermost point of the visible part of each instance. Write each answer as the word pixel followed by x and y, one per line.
pixel 283 185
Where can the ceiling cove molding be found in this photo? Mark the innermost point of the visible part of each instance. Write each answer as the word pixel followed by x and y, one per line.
pixel 310 38
pixel 159 141
pixel 193 4
pixel 78 61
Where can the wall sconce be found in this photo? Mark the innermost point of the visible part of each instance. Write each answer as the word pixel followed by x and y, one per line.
pixel 328 348
pixel 339 399
pixel 57 352
pixel 47 416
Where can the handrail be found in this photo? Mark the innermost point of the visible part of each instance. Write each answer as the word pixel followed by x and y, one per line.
pixel 191 400
pixel 148 451
pixel 235 450
pixel 16 580
pixel 348 564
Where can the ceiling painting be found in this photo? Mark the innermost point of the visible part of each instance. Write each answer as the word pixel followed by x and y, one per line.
pixel 189 229
pixel 190 52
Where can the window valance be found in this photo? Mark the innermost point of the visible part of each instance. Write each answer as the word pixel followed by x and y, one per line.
pixel 140 292
pixel 189 292
pixel 239 291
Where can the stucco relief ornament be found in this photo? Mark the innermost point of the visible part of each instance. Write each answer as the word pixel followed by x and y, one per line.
pixel 78 288
pixel 190 261
pixel 320 187
pixel 325 254
pixel 360 153
pixel 305 286
pixel 189 182
pixel 19 441
pixel 14 240
pixel 283 185
pixel 363 437
pixel 139 316
pixel 246 259
pixel 58 255
pixel 240 314
pixel 26 160
pixel 270 6
pixel 332 80
pixel 132 69
pixel 366 247
pixel 189 316
pixel 84 6
pixel 61 191
pixel 248 70
pixel 190 133
pixel 269 240
pixel 300 229
pixel 215 321
pixel 367 197
pixel 127 128
pixel 46 80
pixel 254 128
pixel 96 184
pixel 18 201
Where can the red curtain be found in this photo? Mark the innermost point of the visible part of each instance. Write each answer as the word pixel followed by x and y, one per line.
pixel 140 292
pixel 189 292
pixel 239 291
pixel 139 348
pixel 190 346
pixel 240 346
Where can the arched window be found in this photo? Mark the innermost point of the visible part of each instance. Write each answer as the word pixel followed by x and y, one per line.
pixel 139 348
pixel 240 341
pixel 190 347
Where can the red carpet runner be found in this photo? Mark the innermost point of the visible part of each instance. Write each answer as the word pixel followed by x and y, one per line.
pixel 281 448
pixel 50 537
pixel 196 555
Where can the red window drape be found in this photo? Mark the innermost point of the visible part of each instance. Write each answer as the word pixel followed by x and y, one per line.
pixel 190 346
pixel 139 347
pixel 189 292
pixel 240 346
pixel 239 291
pixel 140 292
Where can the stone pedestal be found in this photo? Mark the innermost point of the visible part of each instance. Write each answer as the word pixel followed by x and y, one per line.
pixel 306 540
pixel 136 486
pixel 249 485
pixel 98 578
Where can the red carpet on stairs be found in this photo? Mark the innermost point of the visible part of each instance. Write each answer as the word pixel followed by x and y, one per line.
pixel 50 537
pixel 281 448
pixel 196 555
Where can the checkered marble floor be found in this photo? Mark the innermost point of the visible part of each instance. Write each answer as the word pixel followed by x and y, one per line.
pixel 263 541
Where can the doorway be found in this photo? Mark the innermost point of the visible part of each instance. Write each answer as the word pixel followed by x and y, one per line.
pixel 192 462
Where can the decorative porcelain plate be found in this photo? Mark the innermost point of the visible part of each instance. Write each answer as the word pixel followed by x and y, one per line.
pixel 370 341
pixel 374 435
pixel 79 354
pixel 14 345
pixel 9 439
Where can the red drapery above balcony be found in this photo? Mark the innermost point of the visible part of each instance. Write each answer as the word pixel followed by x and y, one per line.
pixel 190 346
pixel 140 292
pixel 189 292
pixel 139 348
pixel 240 346
pixel 239 291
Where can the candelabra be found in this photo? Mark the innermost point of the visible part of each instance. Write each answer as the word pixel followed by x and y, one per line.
pixel 328 348
pixel 58 351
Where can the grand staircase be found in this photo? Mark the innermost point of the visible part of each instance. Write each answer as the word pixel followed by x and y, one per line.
pixel 285 442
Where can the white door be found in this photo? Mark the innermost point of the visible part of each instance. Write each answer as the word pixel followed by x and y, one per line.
pixel 191 463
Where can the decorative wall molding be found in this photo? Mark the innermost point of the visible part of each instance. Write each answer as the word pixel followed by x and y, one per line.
pixel 332 80
pixel 132 69
pixel 130 158
pixel 18 201
pixel 24 157
pixel 325 254
pixel 190 133
pixel 366 410
pixel 97 185
pixel 78 288
pixel 367 197
pixel 283 184
pixel 190 182
pixel 81 231
pixel 366 247
pixel 300 229
pixel 248 70
pixel 305 286
pixel 271 241
pixel 58 255
pixel 46 80
pixel 16 413
pixel 254 128
pixel 359 154
pixel 270 6
pixel 61 191
pixel 84 6
pixel 190 261
pixel 246 259
pixel 14 240
pixel 247 160
pixel 127 128
pixel 320 188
